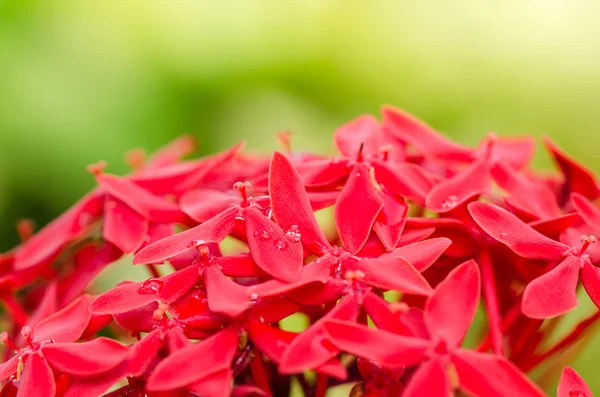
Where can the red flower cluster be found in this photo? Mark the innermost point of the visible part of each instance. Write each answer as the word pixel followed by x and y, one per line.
pixel 425 230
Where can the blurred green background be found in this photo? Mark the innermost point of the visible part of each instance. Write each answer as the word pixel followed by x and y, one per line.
pixel 82 81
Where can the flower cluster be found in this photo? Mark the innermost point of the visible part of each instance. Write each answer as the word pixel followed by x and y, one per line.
pixel 416 233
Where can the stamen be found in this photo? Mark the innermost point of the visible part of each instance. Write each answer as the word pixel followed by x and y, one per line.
pixel 136 158
pixel 354 275
pixel 5 340
pixel 359 156
pixel 97 169
pixel 586 240
pixel 27 333
pixel 285 139
pixel 243 188
pixel 25 229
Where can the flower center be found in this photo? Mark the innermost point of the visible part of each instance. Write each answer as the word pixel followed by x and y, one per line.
pixel 586 242
pixel 243 188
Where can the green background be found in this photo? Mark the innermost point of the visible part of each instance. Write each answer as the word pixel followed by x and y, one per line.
pixel 82 81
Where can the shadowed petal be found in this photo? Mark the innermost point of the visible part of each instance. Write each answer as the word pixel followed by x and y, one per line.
pixel 358 197
pixel 390 222
pixel 553 293
pixel 93 386
pixel 212 231
pixel 588 211
pixel 451 308
pixel 491 376
pixel 144 351
pixel 429 380
pixel 514 233
pixel 572 385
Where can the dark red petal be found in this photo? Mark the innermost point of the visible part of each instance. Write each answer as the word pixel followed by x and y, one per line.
pixel 290 203
pixel 248 391
pixel 422 254
pixel 87 358
pixel 425 139
pixel 358 196
pixel 430 379
pixel 144 352
pixel 37 378
pixel 514 233
pixel 139 199
pixel 588 211
pixel 377 345
pixel 204 204
pixel 451 308
pixel 462 187
pixel 572 385
pixel 273 250
pixel 483 374
pixel 553 293
pixel 66 325
pixel 313 347
pixel 590 278
pixel 224 295
pixel 578 178
pixel 212 231
pixel 137 320
pixel 362 133
pixel 395 274
pixel 123 226
pixel 175 371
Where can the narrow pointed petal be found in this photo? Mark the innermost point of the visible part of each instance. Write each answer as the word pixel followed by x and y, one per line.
pixel 93 386
pixel 514 233
pixel 430 380
pixel 358 196
pixel 390 222
pixel 37 378
pixel 363 131
pixel 9 367
pixel 271 341
pixel 404 179
pixel 554 227
pixel 324 172
pixel 87 358
pixel 588 211
pixel 144 352
pixel 517 152
pixel 173 152
pixel 422 254
pixel 204 204
pixel 271 248
pixel 590 278
pixel 175 372
pixel 403 321
pixel 376 345
pixel 462 187
pixel 120 299
pixel 177 284
pixel 487 375
pixel 572 385
pixel 451 308
pixel 212 231
pixel 424 138
pixel 290 203
pixel 578 178
pixel 553 293
pixel 224 295
pixel 394 274
pixel 313 347
pixel 66 325
pixel 123 226
pixel 217 384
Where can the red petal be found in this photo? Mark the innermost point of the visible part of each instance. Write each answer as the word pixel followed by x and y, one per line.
pixel 462 187
pixel 404 179
pixel 93 386
pixel 390 222
pixel 123 298
pixel 172 152
pixel 271 248
pixel 269 340
pixel 588 211
pixel 364 131
pixel 177 284
pixel 139 199
pixel 240 265
pixel 123 226
pixel 217 384
pixel 483 374
pixel 313 348
pixel 144 352
pixel 425 139
pixel 572 385
pixel 554 227
pixel 359 196
pixel 37 378
pixel 590 278
pixel 377 345
pixel 407 322
pixel 578 178
pixel 429 380
pixel 66 325
pixel 323 172
pixel 87 358
pixel 516 152
pixel 9 367
pixel 290 203
pixel 204 204
pixel 138 320
pixel 212 231
pixel 422 254
pixel 553 293
pixel 175 371
pixel 517 235
pixel 224 295
pixel 451 308
pixel 395 274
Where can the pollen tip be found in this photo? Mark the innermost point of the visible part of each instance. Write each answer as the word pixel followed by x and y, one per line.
pixel 26 332
pixel 25 229
pixel 135 158
pixel 97 168
pixel 4 338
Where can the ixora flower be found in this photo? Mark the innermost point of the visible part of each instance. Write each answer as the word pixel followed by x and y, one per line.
pixel 307 271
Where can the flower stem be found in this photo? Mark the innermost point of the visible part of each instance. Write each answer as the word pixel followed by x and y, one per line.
pixel 153 270
pixel 491 301
pixel 510 319
pixel 322 382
